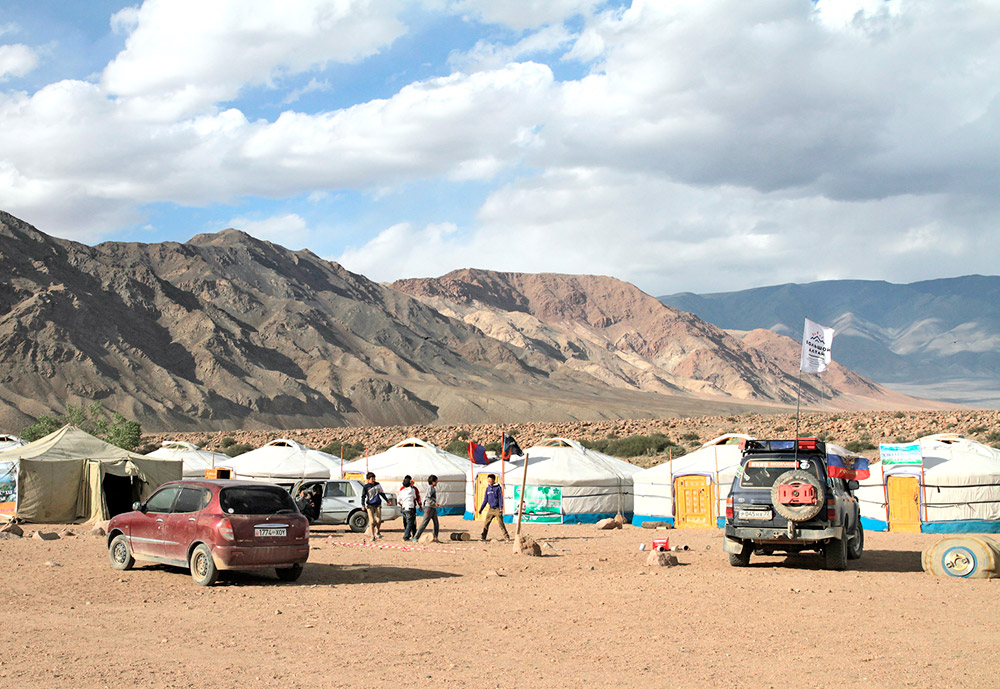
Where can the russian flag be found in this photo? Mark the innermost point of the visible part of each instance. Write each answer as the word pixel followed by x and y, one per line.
pixel 850 468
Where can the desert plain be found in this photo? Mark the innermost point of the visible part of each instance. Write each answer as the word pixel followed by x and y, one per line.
pixel 589 612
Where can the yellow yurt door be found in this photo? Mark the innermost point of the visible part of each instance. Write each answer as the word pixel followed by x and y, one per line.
pixel 693 502
pixel 357 475
pixel 904 503
pixel 482 480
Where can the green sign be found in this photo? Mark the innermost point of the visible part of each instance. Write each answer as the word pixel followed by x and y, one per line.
pixel 900 454
pixel 542 504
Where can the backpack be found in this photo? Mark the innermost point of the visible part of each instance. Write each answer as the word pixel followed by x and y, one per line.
pixel 373 498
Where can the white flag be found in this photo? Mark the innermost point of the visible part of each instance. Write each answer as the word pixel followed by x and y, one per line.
pixel 817 342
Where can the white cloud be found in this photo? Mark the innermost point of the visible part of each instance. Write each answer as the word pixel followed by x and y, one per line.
pixel 182 57
pixel 490 55
pixel 16 60
pixel 289 230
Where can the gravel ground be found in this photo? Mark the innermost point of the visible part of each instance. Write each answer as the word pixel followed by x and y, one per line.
pixel 476 615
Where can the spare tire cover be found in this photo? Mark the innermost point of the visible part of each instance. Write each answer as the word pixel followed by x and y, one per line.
pixel 798 513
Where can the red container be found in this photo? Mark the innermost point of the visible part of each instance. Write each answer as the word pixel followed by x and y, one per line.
pixel 661 544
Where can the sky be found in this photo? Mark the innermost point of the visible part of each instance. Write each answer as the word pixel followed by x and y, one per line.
pixel 681 145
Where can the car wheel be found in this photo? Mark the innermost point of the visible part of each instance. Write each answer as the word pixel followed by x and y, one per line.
pixel 742 558
pixel 289 573
pixel 798 513
pixel 358 521
pixel 119 553
pixel 203 569
pixel 835 554
pixel 856 543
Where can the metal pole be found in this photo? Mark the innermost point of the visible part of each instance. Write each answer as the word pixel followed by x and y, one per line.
pixel 520 507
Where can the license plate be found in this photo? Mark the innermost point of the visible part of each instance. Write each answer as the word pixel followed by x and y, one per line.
pixel 259 532
pixel 764 515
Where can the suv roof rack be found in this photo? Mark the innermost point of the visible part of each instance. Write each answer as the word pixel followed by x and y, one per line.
pixel 772 446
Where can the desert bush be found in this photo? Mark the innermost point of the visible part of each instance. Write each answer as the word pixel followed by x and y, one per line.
pixel 237 449
pixel 458 447
pixel 975 430
pixel 227 442
pixel 860 445
pixel 350 450
pixel 899 415
pixel 635 445
pixel 94 419
pixel 690 435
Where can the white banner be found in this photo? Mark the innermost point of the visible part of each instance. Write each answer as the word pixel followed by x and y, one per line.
pixel 817 343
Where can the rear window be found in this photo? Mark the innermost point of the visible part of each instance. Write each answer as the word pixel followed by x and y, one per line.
pixel 761 473
pixel 255 500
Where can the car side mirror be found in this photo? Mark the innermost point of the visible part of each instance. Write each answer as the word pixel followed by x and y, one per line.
pixel 853 485
pixel 138 507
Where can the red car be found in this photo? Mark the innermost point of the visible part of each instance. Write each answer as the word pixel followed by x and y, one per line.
pixel 213 525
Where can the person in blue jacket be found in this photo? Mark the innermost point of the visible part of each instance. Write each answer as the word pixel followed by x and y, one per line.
pixel 493 499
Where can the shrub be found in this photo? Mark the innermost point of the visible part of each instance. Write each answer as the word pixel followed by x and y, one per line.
pixel 458 447
pixel 976 429
pixel 780 429
pixel 860 445
pixel 112 428
pixel 461 435
pixel 635 445
pixel 237 449
pixel 227 442
pixel 899 415
pixel 690 435
pixel 350 450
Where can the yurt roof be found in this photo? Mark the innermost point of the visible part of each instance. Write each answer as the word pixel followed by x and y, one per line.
pixel 195 459
pixel 411 456
pixel 284 458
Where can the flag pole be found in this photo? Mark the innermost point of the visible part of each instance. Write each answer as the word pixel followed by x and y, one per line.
pixel 520 507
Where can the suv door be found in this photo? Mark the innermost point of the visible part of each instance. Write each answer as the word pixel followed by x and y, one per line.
pixel 146 533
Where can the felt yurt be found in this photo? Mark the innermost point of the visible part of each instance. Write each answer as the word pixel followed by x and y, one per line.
pixel 284 462
pixel 8 442
pixel 943 483
pixel 476 481
pixel 567 483
pixel 196 460
pixel 418 459
pixel 72 476
pixel 700 480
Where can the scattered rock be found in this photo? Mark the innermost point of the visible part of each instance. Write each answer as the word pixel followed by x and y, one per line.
pixel 428 538
pixel 526 545
pixel 620 518
pixel 607 524
pixel 657 525
pixel 50 563
pixel 97 531
pixel 46 535
pixel 493 573
pixel 67 532
pixel 12 528
pixel 6 535
pixel 659 558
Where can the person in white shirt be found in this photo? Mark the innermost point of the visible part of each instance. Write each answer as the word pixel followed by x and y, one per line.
pixel 409 502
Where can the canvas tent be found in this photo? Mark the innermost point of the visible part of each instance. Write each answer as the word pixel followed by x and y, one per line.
pixel 566 482
pixel 195 459
pixel 700 480
pixel 955 488
pixel 284 461
pixel 419 459
pixel 70 476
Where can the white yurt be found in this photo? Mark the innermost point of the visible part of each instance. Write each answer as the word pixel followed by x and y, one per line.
pixel 567 483
pixel 8 442
pixel 284 461
pixel 952 486
pixel 196 460
pixel 701 481
pixel 475 486
pixel 418 459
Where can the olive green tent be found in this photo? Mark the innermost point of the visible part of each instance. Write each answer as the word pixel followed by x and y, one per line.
pixel 72 476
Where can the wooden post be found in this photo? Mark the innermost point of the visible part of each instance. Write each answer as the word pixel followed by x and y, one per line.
pixel 673 496
pixel 520 507
pixel 923 488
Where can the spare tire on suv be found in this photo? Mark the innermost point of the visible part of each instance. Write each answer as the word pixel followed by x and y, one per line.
pixel 802 512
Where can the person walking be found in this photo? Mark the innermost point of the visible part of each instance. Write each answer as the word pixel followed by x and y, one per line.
pixel 494 500
pixel 409 502
pixel 371 497
pixel 430 508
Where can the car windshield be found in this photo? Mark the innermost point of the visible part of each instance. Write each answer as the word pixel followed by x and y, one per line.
pixel 762 472
pixel 255 500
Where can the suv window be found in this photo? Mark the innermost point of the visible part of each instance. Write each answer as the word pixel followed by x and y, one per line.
pixel 161 500
pixel 255 500
pixel 192 499
pixel 762 472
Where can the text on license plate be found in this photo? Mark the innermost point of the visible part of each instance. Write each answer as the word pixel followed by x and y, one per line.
pixel 258 532
pixel 755 514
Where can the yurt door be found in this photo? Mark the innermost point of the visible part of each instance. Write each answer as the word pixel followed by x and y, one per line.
pixel 482 480
pixel 904 503
pixel 357 475
pixel 693 500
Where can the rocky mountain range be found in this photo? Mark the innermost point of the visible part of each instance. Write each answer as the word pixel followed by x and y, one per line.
pixel 227 331
pixel 935 338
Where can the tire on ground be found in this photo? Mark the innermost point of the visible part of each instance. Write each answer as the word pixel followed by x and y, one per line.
pixel 203 569
pixel 856 542
pixel 358 521
pixel 289 573
pixel 798 513
pixel 742 558
pixel 119 553
pixel 835 554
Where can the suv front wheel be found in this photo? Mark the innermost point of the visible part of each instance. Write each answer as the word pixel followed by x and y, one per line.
pixel 856 542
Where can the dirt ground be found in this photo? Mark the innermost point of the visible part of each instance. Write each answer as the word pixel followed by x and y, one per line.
pixel 588 613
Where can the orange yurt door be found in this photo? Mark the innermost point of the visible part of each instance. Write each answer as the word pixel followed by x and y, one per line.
pixel 482 480
pixel 903 493
pixel 693 503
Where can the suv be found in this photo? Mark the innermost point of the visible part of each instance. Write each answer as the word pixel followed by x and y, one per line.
pixel 783 500
pixel 342 503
